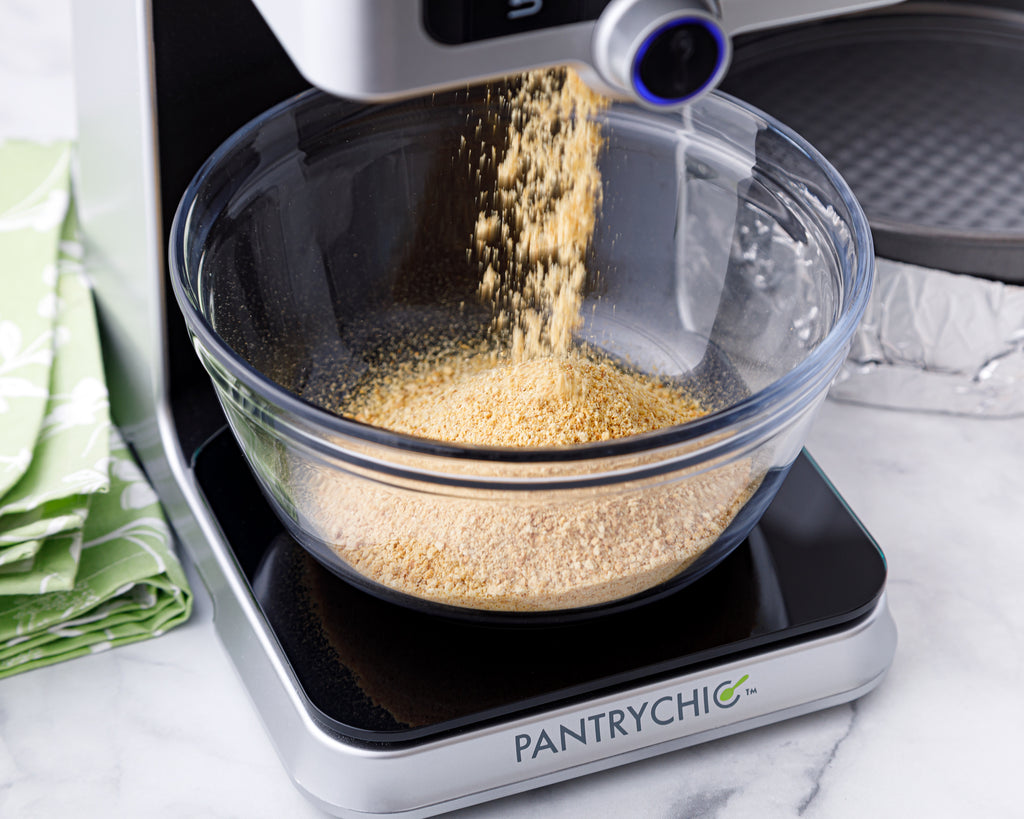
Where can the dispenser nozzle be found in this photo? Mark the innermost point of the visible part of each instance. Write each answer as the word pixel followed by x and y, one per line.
pixel 661 52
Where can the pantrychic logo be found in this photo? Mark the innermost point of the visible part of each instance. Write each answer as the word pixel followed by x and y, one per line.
pixel 634 718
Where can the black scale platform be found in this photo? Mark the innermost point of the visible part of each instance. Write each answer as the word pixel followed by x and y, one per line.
pixel 376 672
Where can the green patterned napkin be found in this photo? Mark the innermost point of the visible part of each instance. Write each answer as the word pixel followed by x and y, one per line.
pixel 33 203
pixel 85 555
pixel 69 460
pixel 129 586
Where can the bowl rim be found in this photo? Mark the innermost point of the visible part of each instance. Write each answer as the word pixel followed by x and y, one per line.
pixel 784 396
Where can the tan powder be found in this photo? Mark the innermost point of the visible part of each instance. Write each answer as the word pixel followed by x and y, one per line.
pixel 510 552
pixel 542 401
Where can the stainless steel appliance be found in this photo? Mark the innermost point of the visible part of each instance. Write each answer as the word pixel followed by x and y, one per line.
pixel 349 687
pixel 658 52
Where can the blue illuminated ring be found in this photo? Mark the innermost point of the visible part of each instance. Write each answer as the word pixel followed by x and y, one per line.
pixel 638 84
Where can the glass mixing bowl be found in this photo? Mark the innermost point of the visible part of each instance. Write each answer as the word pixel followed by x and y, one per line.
pixel 325 235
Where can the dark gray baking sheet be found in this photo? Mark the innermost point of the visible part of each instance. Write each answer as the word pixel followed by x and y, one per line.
pixel 920 107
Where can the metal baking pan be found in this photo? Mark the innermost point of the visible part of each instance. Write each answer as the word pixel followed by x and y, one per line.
pixel 920 106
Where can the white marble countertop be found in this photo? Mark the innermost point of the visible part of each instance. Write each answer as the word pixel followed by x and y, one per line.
pixel 165 728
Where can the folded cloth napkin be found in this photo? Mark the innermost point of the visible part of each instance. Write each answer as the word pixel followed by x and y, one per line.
pixel 86 558
pixel 69 460
pixel 129 584
pixel 33 203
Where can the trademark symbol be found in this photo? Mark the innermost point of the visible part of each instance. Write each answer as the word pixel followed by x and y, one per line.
pixel 750 691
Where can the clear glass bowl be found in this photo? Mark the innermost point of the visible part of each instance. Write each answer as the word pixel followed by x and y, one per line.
pixel 728 255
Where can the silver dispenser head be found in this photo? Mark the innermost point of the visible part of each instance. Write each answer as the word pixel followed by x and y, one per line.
pixel 660 53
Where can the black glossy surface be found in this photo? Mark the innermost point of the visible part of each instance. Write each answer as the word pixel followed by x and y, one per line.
pixel 378 672
pixel 456 22
pixel 216 65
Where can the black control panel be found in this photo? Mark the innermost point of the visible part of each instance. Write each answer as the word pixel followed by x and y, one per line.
pixel 454 22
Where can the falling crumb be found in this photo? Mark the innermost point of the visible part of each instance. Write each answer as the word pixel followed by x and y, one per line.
pixel 534 228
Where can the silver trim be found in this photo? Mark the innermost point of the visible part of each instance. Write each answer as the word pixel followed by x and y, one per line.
pixel 350 779
pixel 379 49
pixel 117 194
pixel 625 25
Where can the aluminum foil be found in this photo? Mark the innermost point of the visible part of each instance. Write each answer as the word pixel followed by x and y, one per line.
pixel 939 342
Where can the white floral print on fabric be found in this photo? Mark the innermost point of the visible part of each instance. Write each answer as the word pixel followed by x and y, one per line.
pixel 129 586
pixel 71 437
pixel 16 356
pixel 33 204
pixel 69 461
pixel 86 557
